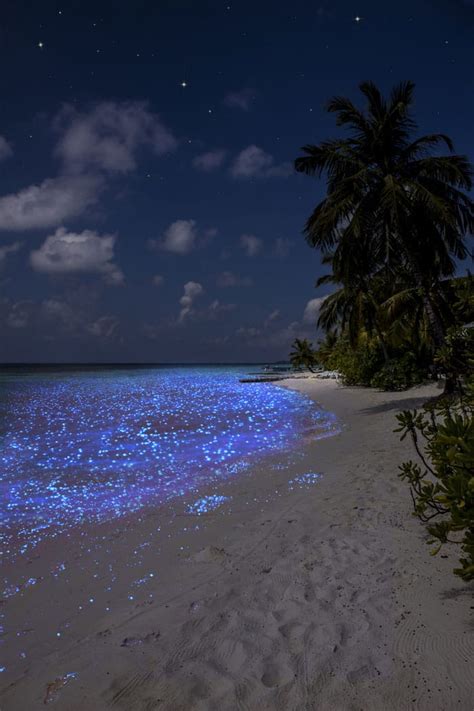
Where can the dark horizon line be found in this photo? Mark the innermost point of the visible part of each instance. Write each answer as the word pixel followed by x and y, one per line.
pixel 11 364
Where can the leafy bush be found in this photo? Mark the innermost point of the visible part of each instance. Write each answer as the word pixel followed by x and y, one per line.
pixel 364 364
pixel 399 374
pixel 455 358
pixel 357 366
pixel 443 486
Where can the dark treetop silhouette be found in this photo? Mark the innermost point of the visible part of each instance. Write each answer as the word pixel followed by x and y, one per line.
pixel 393 205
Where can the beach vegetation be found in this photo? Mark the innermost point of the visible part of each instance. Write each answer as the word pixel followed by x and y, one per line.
pixel 303 355
pixel 441 480
pixel 392 229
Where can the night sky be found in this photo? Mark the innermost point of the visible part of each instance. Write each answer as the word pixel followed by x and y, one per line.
pixel 148 206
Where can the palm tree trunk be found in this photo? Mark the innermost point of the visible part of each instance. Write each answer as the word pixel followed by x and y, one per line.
pixel 434 321
pixel 382 341
pixel 377 328
pixel 435 324
pixel 436 327
pixel 438 334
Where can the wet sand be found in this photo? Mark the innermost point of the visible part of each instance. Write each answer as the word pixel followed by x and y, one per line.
pixel 315 594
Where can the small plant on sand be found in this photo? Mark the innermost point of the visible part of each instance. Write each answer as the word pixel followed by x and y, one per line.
pixel 442 486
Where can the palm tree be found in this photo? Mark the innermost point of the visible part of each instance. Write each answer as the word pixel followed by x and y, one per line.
pixel 303 354
pixel 355 306
pixel 387 189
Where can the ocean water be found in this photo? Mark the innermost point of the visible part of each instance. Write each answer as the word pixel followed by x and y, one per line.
pixel 94 444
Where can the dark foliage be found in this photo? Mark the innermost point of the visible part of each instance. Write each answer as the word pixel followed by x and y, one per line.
pixel 442 480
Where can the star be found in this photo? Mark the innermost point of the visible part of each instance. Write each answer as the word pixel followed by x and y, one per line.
pixel 183 84
pixel 40 45
pixel 357 18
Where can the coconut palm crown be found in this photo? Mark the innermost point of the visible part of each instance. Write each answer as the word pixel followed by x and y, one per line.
pixel 303 355
pixel 392 192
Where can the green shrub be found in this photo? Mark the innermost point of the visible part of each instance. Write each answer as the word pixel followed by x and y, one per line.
pixel 357 366
pixel 364 364
pixel 399 374
pixel 455 358
pixel 442 487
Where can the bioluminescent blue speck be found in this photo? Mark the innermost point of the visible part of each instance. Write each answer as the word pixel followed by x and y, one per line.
pixel 207 504
pixel 91 446
pixel 303 481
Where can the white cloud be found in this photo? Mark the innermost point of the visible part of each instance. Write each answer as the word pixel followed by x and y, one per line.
pixel 248 333
pixel 104 140
pixel 209 161
pixel 49 203
pixel 58 312
pixel 108 137
pixel 5 149
pixel 8 249
pixel 240 99
pixel 208 235
pixel 254 162
pixel 157 280
pixel 20 314
pixel 103 327
pixel 251 162
pixel 216 308
pixel 284 337
pixel 192 289
pixel 312 308
pixel 251 244
pixel 180 237
pixel 228 279
pixel 271 317
pixel 272 333
pixel 268 337
pixel 281 247
pixel 151 331
pixel 85 252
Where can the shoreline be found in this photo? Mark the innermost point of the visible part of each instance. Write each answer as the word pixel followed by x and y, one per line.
pixel 320 596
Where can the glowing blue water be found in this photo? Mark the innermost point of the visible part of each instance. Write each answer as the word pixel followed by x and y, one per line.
pixel 90 446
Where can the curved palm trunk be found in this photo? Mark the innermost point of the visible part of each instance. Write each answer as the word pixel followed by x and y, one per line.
pixel 381 338
pixel 377 328
pixel 438 334
pixel 436 327
pixel 434 321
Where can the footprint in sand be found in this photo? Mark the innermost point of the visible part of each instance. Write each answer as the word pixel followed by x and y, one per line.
pixel 211 554
pixel 134 641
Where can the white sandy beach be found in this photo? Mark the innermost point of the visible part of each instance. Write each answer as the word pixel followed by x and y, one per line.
pixel 291 599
